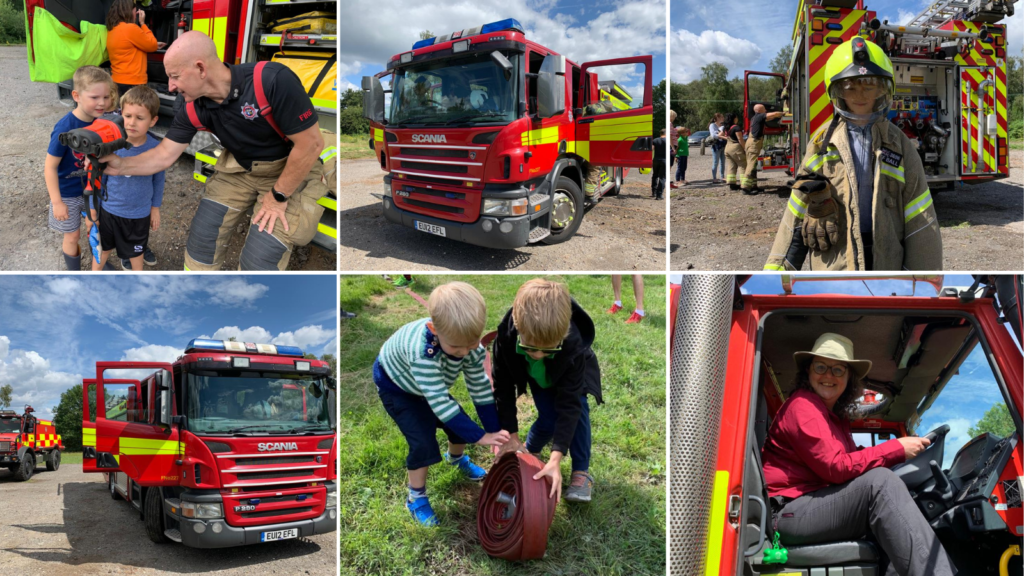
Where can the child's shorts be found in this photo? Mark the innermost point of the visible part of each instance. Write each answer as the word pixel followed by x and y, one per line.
pixel 74 221
pixel 415 419
pixel 128 235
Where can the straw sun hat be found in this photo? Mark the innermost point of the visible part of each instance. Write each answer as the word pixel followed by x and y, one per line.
pixel 835 347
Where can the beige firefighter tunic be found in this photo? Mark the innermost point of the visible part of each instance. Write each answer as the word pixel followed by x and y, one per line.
pixel 905 227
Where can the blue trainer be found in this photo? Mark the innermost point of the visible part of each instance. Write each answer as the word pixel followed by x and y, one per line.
pixel 469 470
pixel 422 512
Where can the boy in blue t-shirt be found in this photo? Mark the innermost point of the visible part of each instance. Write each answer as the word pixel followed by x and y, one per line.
pixel 95 94
pixel 133 203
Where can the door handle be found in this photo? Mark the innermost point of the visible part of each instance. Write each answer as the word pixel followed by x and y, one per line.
pixel 586 120
pixel 642 144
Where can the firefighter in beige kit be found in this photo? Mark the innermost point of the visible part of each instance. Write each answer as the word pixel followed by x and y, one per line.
pixel 860 200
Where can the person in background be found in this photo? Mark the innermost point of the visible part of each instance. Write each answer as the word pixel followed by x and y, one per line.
pixel 717 146
pixel 682 155
pixel 735 157
pixel 638 294
pixel 659 171
pixel 128 42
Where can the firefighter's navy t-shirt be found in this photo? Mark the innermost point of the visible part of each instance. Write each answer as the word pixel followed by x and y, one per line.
pixel 757 126
pixel 237 122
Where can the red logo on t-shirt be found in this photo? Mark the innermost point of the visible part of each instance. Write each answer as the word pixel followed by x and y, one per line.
pixel 305 114
pixel 250 112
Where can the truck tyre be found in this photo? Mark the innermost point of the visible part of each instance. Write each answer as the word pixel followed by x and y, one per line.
pixel 617 179
pixel 566 211
pixel 27 467
pixel 53 460
pixel 154 510
pixel 113 487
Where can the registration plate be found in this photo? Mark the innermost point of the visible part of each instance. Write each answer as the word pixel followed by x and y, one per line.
pixel 279 535
pixel 431 228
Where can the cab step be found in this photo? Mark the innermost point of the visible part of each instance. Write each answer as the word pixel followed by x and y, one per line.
pixel 173 534
pixel 537 234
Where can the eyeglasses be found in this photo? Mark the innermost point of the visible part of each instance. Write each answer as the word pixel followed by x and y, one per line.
pixel 519 342
pixel 839 370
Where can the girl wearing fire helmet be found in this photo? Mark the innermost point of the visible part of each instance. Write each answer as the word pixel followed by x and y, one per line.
pixel 860 200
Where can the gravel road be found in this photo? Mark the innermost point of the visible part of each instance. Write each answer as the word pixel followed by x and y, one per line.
pixel 64 523
pixel 714 228
pixel 27 117
pixel 622 233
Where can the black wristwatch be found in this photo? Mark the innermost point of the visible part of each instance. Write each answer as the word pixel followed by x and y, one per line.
pixel 278 196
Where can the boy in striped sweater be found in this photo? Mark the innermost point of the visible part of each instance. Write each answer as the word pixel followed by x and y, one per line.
pixel 413 372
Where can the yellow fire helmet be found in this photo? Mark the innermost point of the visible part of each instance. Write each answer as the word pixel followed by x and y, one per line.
pixel 859 80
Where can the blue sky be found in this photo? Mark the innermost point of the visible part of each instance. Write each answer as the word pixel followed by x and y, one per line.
pixel 745 35
pixel 966 397
pixel 582 31
pixel 54 328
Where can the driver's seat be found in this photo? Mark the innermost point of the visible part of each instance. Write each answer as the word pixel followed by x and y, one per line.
pixel 845 558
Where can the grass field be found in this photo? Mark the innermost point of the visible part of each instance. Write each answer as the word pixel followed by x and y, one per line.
pixel 622 531
pixel 71 457
pixel 352 146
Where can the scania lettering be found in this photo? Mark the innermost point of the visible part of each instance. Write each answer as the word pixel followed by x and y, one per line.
pixel 231 444
pixel 492 139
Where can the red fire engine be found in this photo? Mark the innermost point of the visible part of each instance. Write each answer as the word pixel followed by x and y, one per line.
pixel 732 368
pixel 490 137
pixel 232 444
pixel 27 442
pixel 949 66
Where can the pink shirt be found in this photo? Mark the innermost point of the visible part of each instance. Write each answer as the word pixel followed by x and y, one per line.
pixel 809 447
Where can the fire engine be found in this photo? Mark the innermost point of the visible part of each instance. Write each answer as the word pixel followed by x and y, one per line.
pixel 732 368
pixel 233 443
pixel 296 33
pixel 490 137
pixel 949 67
pixel 27 442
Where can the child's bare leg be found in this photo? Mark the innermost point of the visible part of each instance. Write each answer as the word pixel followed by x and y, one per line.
pixel 136 263
pixel 418 478
pixel 638 291
pixel 70 243
pixel 104 255
pixel 456 450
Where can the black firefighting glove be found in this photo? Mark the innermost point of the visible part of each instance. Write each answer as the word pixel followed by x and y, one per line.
pixel 821 224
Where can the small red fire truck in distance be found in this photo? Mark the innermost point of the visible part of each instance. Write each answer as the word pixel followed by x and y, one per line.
pixel 27 442
pixel 234 443
pixel 495 140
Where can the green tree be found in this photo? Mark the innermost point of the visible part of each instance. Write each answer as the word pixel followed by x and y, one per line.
pixel 996 421
pixel 1015 96
pixel 351 98
pixel 780 63
pixel 426 34
pixel 658 101
pixel 332 361
pixel 67 418
pixel 351 121
pixel 718 94
pixel 6 391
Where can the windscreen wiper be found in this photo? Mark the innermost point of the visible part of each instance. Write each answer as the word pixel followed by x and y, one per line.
pixel 240 428
pixel 474 115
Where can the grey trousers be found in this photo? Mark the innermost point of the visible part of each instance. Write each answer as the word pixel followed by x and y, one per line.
pixel 877 502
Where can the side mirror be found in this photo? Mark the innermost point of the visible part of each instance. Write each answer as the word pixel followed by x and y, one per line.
pixel 373 99
pixel 332 383
pixel 506 66
pixel 164 418
pixel 551 86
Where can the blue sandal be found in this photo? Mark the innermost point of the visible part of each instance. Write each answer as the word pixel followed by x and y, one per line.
pixel 422 512
pixel 469 470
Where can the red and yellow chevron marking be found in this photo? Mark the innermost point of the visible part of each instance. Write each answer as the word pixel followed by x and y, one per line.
pixel 995 98
pixel 820 105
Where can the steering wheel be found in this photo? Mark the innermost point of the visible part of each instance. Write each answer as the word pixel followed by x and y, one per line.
pixel 918 469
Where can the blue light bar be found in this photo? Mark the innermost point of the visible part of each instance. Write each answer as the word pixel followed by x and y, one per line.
pixel 204 344
pixel 506 24
pixel 289 351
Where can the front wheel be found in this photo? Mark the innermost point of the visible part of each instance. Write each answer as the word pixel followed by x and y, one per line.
pixel 27 468
pixel 566 211
pixel 53 460
pixel 114 495
pixel 154 507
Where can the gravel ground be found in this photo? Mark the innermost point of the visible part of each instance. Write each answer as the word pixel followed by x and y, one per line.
pixel 26 243
pixel 64 523
pixel 622 233
pixel 714 228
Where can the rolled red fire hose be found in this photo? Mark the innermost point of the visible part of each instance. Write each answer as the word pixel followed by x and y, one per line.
pixel 515 512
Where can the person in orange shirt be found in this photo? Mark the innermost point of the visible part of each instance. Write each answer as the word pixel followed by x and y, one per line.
pixel 127 44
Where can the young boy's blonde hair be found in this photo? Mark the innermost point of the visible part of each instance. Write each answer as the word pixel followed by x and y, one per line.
pixel 541 312
pixel 142 96
pixel 88 75
pixel 458 312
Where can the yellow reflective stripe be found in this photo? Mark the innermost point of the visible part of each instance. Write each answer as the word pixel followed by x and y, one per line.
pixel 328 202
pixel 88 437
pixel 601 122
pixel 324 229
pixel 775 267
pixel 892 172
pixel 917 205
pixel 378 134
pixel 328 153
pixel 796 206
pixel 146 447
pixel 199 177
pixel 216 29
pixel 324 102
pixel 540 136
pixel 205 158
pixel 615 129
pixel 719 496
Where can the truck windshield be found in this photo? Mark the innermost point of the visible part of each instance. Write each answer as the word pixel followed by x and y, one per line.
pixel 469 89
pixel 255 403
pixel 10 425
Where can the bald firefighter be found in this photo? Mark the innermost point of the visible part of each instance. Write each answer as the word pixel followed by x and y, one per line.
pixel 860 200
pixel 273 161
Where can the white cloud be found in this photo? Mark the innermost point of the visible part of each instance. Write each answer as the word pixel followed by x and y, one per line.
pixel 307 337
pixel 331 347
pixel 32 378
pixel 251 334
pixel 304 337
pixel 236 292
pixel 152 353
pixel 691 52
pixel 5 346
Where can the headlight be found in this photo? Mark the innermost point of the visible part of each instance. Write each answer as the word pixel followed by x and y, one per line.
pixel 198 510
pixel 387 189
pixel 332 499
pixel 497 207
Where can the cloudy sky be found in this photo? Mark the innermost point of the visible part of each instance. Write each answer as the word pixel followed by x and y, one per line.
pixel 966 397
pixel 583 31
pixel 745 35
pixel 54 329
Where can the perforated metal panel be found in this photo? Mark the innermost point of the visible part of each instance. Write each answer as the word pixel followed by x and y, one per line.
pixel 697 381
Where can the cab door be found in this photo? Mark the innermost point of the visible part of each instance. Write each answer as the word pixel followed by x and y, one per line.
pixel 376 109
pixel 133 431
pixel 764 88
pixel 614 127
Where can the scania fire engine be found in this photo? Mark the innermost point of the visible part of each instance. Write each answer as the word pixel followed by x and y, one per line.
pixel 27 442
pixel 495 140
pixel 936 359
pixel 949 66
pixel 234 443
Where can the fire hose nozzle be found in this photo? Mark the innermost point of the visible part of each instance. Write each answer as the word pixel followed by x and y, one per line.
pixel 509 502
